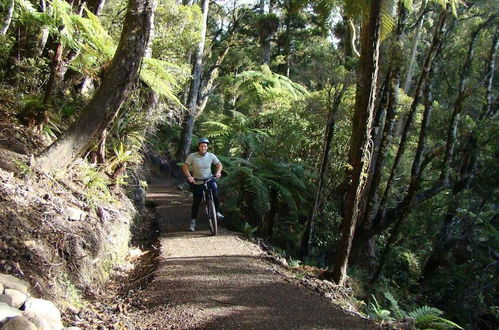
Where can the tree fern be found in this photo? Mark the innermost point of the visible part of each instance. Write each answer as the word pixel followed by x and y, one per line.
pixel 163 77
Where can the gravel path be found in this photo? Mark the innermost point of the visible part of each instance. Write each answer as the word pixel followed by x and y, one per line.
pixel 222 282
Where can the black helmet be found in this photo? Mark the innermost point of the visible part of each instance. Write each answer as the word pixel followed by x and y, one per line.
pixel 203 140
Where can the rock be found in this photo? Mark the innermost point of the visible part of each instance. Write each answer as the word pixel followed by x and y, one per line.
pixel 72 328
pixel 13 297
pixel 11 282
pixel 19 323
pixel 1 288
pixel 75 214
pixel 43 313
pixel 45 324
pixel 7 311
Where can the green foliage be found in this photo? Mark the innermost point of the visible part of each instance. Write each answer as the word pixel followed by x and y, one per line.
pixel 249 231
pixel 164 78
pixel 254 87
pixel 424 317
pixel 429 318
pixel 377 313
pixel 95 183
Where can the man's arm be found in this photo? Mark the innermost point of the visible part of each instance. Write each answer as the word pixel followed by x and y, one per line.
pixel 219 167
pixel 185 170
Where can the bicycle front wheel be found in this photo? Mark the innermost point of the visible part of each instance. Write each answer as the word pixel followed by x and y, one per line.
pixel 212 217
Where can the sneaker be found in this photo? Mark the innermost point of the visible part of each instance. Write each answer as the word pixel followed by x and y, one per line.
pixel 192 226
pixel 220 216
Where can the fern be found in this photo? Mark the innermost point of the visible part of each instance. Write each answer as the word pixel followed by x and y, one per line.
pixel 377 312
pixel 427 317
pixel 394 306
pixel 423 311
pixel 163 77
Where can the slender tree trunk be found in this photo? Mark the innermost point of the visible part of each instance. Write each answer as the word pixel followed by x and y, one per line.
pixel 414 49
pixel 360 142
pixel 351 37
pixel 188 124
pixel 56 66
pixel 428 64
pixel 328 138
pixel 96 6
pixel 416 173
pixel 101 110
pixel 207 86
pixel 468 165
pixel 458 105
pixel 7 19
pixel 489 73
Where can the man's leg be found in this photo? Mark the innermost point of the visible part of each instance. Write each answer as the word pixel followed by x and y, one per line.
pixel 197 192
pixel 216 198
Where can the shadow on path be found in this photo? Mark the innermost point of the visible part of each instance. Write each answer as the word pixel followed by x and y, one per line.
pixel 221 282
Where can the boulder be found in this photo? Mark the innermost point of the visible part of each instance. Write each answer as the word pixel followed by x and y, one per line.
pixel 11 282
pixel 45 324
pixel 1 288
pixel 13 297
pixel 43 313
pixel 7 312
pixel 19 323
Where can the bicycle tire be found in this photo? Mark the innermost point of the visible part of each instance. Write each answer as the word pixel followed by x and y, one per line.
pixel 212 216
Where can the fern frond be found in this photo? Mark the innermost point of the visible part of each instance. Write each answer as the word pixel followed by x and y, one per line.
pixel 424 311
pixel 399 313
pixel 435 322
pixel 162 77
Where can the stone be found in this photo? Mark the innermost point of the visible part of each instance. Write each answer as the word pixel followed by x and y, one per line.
pixel 19 323
pixel 1 288
pixel 75 214
pixel 7 312
pixel 11 282
pixel 45 324
pixel 43 313
pixel 13 297
pixel 72 328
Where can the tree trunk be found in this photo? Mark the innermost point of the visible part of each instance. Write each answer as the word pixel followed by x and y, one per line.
pixel 101 110
pixel 328 138
pixel 428 64
pixel 188 124
pixel 458 105
pixel 489 81
pixel 380 137
pixel 7 19
pixel 468 165
pixel 360 142
pixel 96 6
pixel 350 50
pixel 416 171
pixel 414 49
pixel 56 65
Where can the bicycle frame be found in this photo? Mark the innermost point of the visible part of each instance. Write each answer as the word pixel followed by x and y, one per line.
pixel 209 205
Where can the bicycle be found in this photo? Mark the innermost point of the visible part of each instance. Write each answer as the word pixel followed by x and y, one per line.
pixel 209 205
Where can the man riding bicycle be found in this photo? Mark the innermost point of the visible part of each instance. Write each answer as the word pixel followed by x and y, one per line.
pixel 201 162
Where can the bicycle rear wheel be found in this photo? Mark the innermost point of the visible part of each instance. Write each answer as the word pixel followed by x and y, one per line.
pixel 212 216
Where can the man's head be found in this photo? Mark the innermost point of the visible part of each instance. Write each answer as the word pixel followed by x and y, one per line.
pixel 203 145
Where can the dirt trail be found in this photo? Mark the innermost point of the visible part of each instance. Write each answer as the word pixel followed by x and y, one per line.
pixel 222 282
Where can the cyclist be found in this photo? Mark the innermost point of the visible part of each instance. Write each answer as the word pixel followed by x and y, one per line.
pixel 201 162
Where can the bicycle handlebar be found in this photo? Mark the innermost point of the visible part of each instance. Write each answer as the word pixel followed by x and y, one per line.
pixel 204 180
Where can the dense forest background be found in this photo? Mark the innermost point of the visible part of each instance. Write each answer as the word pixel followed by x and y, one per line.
pixel 360 137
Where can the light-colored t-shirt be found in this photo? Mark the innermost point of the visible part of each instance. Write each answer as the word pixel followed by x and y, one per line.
pixel 201 165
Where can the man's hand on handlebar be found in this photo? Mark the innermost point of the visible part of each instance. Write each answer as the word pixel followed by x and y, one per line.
pixel 191 179
pixel 218 175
